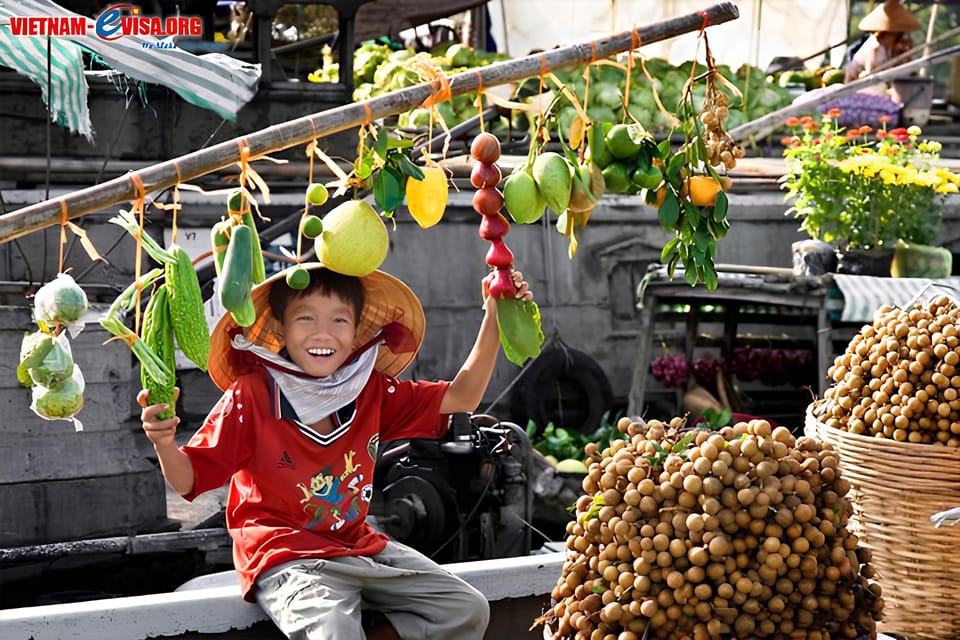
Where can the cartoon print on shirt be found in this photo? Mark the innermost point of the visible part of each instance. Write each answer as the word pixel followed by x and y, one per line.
pixel 335 498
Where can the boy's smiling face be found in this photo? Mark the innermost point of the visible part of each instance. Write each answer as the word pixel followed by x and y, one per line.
pixel 319 332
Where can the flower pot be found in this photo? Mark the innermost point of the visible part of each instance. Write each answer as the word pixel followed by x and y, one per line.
pixel 813 258
pixel 921 261
pixel 865 262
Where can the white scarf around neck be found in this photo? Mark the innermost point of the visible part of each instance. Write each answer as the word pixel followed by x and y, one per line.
pixel 314 398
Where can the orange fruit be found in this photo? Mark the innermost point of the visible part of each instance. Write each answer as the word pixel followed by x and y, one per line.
pixel 703 190
pixel 661 196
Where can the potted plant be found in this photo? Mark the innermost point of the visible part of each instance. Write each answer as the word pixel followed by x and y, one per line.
pixel 865 191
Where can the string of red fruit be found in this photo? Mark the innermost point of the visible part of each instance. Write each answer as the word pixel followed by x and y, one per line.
pixel 487 201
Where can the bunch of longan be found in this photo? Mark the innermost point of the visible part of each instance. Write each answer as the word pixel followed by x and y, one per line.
pixel 899 377
pixel 721 147
pixel 692 533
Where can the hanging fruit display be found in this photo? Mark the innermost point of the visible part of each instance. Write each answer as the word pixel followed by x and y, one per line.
pixel 518 320
pixel 46 362
pixel 691 201
pixel 174 316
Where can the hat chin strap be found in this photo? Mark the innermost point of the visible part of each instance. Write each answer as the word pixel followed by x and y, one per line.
pixel 395 335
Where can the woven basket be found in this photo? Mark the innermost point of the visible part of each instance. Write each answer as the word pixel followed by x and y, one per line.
pixel 895 488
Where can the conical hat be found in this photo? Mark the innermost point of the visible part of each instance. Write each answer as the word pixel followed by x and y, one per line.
pixel 890 16
pixel 386 300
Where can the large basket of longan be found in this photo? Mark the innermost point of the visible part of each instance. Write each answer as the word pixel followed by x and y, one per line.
pixel 712 534
pixel 893 416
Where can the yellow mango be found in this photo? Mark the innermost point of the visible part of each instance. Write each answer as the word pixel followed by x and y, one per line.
pixel 427 198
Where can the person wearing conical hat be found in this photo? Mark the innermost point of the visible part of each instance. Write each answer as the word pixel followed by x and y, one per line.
pixel 889 25
pixel 310 389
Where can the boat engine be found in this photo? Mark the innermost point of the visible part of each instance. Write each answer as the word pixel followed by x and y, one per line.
pixel 467 496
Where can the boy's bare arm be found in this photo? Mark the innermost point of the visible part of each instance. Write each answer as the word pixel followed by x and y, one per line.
pixel 466 391
pixel 176 466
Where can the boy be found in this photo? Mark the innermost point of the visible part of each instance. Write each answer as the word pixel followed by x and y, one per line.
pixel 308 394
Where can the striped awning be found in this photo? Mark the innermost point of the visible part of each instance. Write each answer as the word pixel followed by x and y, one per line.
pixel 864 295
pixel 67 99
pixel 213 81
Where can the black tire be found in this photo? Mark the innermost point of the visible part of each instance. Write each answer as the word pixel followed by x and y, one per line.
pixel 563 386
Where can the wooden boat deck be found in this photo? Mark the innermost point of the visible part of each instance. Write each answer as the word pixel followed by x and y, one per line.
pixel 210 607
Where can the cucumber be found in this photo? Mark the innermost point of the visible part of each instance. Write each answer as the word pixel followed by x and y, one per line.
pixel 237 277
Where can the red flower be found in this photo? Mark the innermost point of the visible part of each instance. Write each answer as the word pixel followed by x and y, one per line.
pixel 810 126
pixel 865 129
pixel 792 121
pixel 834 113
pixel 881 134
pixel 884 119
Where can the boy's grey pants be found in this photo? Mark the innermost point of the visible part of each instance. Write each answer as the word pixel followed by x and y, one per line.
pixel 321 599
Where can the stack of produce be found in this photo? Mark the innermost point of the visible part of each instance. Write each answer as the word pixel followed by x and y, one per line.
pixel 672 369
pixel 893 415
pixel 739 533
pixel 900 377
pixel 607 86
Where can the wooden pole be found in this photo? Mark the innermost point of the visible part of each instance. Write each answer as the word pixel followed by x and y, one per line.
pixel 301 130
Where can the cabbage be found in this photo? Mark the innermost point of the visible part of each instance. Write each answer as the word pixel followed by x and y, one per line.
pixel 60 300
pixel 56 366
pixel 63 400
pixel 33 350
pixel 606 95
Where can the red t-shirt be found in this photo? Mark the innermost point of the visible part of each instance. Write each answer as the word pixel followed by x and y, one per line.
pixel 295 493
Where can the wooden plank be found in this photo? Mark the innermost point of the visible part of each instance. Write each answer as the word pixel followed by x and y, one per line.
pixel 57 452
pixel 216 606
pixel 105 407
pixel 81 508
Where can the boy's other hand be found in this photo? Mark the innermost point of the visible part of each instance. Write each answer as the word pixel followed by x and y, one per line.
pixel 160 432
pixel 522 286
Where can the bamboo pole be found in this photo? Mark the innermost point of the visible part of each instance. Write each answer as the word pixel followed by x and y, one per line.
pixel 301 130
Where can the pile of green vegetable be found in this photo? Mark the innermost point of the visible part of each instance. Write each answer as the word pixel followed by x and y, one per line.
pixel 560 445
pixel 605 97
pixel 379 69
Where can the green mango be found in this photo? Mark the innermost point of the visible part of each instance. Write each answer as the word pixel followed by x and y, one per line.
pixel 551 172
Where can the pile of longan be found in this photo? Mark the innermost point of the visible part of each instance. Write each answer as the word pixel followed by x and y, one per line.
pixel 692 533
pixel 899 377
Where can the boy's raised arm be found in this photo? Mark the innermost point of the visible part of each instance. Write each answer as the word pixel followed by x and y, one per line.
pixel 466 391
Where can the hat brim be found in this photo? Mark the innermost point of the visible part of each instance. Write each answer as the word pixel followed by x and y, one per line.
pixel 889 16
pixel 386 299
